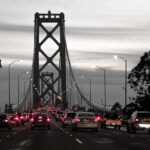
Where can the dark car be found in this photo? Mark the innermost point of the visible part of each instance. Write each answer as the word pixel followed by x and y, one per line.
pixel 5 122
pixel 139 120
pixel 40 120
pixel 67 119
pixel 59 115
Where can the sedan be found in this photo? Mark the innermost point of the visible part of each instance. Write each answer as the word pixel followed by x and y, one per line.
pixel 40 120
pixel 85 120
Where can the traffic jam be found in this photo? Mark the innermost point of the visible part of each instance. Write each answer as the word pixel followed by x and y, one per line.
pixel 77 120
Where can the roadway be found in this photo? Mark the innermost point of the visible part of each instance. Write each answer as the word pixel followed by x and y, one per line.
pixel 23 138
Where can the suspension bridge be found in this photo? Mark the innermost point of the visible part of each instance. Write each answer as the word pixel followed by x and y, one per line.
pixel 52 80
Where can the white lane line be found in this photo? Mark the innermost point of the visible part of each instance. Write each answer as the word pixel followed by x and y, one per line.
pixel 67 132
pixel 70 134
pixel 8 136
pixel 79 141
pixel 15 133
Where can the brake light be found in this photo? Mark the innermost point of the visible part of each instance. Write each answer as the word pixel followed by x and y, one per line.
pixel 137 120
pixel 6 121
pixel 40 117
pixel 77 120
pixel 47 120
pixel 21 117
pixel 97 119
pixel 16 118
pixel 32 120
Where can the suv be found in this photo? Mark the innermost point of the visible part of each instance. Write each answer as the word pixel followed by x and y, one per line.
pixel 5 122
pixel 139 120
pixel 40 120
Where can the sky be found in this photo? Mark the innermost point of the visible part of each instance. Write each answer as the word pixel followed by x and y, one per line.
pixel 95 31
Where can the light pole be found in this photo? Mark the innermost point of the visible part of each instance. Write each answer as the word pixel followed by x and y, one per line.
pixel 1 63
pixel 104 84
pixel 9 79
pixel 125 82
pixel 90 82
pixel 19 84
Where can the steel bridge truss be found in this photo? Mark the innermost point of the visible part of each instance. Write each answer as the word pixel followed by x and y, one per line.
pixel 42 86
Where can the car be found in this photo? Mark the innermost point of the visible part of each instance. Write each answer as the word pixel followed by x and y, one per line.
pixel 14 118
pixel 111 119
pixel 40 120
pixel 85 120
pixel 67 119
pixel 139 120
pixel 5 122
pixel 59 115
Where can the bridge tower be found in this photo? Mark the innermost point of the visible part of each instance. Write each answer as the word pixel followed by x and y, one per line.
pixel 49 56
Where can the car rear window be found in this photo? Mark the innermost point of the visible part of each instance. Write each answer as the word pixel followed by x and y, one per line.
pixel 37 115
pixel 71 115
pixel 2 117
pixel 59 112
pixel 86 115
pixel 144 115
pixel 111 116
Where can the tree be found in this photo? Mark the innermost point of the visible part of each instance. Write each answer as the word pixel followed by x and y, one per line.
pixel 139 80
pixel 117 108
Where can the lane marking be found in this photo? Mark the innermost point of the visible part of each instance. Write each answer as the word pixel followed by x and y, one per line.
pixel 67 132
pixel 8 136
pixel 79 141
pixel 0 140
pixel 70 134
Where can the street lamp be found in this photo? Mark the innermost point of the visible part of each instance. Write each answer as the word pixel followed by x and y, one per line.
pixel 90 88
pixel 19 84
pixel 116 57
pixel 104 84
pixel 0 64
pixel 9 78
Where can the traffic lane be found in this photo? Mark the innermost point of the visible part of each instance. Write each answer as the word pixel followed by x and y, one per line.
pixel 112 139
pixel 4 133
pixel 54 139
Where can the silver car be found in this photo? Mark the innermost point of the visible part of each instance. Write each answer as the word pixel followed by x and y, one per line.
pixel 85 120
pixel 139 120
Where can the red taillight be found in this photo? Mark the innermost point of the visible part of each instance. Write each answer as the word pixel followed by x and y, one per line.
pixel 137 120
pixel 32 120
pixel 40 117
pixel 97 119
pixel 21 117
pixel 47 120
pixel 77 120
pixel 16 118
pixel 6 120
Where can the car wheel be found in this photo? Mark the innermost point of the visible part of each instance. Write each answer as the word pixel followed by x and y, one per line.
pixel 119 128
pixel 128 129
pixel 149 131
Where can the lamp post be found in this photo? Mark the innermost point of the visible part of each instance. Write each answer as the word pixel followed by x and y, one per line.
pixel 104 85
pixel 1 63
pixel 125 82
pixel 9 78
pixel 19 84
pixel 90 82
